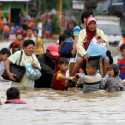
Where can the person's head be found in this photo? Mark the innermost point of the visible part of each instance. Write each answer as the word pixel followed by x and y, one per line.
pixel 71 24
pixel 13 93
pixel 91 24
pixel 85 15
pixel 19 36
pixel 110 58
pixel 4 54
pixel 52 51
pixel 122 50
pixel 62 64
pixel 91 68
pixel 113 70
pixel 28 47
pixel 29 32
pixel 15 46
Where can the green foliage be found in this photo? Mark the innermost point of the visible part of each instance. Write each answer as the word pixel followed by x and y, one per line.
pixel 67 4
pixel 55 25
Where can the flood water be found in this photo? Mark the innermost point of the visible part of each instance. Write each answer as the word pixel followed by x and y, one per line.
pixel 50 107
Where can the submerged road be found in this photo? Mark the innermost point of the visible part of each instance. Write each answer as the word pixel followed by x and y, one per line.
pixel 49 107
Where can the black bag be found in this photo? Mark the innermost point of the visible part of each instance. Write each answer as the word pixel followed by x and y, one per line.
pixel 16 69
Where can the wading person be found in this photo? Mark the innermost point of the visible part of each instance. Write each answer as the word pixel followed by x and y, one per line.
pixel 48 62
pixel 85 38
pixel 112 81
pixel 92 81
pixel 60 80
pixel 4 54
pixel 27 57
pixel 13 96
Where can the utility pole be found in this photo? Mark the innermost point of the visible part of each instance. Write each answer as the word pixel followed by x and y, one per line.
pixel 59 8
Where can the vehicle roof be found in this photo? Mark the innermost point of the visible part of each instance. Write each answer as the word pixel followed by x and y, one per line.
pixel 108 18
pixel 108 22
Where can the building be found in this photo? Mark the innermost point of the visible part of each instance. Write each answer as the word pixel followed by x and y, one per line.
pixel 11 9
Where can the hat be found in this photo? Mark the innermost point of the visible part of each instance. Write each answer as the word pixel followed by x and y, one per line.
pixel 90 19
pixel 76 30
pixel 53 49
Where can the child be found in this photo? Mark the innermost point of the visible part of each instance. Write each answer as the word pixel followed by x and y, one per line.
pixel 4 54
pixel 60 81
pixel 91 81
pixel 111 81
pixel 121 62
pixel 13 96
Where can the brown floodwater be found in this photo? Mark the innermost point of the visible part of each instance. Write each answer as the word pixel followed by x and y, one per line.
pixel 49 107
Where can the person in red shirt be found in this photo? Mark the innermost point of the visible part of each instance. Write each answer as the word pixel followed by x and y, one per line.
pixel 60 81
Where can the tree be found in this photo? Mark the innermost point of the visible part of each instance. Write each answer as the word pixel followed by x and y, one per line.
pixel 55 25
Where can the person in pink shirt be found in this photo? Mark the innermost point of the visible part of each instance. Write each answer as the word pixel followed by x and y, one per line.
pixel 13 96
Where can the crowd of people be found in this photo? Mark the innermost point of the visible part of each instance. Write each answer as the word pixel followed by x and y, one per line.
pixel 80 58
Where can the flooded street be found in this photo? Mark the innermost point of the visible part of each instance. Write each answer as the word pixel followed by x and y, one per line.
pixel 49 107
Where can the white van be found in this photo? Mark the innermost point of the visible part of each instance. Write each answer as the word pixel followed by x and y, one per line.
pixel 111 27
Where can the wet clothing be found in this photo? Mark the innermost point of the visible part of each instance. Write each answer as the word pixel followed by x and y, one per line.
pixel 25 82
pixel 47 70
pixel 81 44
pixel 90 82
pixel 113 84
pixel 15 101
pixel 121 64
pixel 59 84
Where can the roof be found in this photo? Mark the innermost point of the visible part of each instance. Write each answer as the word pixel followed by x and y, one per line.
pixel 14 0
pixel 108 18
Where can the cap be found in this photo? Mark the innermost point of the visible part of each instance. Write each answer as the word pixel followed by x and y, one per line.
pixel 76 30
pixel 53 49
pixel 90 19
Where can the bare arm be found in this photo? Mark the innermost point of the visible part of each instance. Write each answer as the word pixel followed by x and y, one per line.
pixel 7 69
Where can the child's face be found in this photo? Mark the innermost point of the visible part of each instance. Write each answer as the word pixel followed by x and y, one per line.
pixel 90 70
pixel 19 37
pixel 4 57
pixel 111 73
pixel 123 53
pixel 64 67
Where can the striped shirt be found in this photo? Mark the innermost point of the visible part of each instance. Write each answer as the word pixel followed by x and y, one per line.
pixel 121 64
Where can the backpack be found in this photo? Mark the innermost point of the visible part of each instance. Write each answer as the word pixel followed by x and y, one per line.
pixel 66 48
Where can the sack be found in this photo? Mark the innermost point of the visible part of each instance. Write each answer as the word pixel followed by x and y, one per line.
pixel 32 73
pixel 66 48
pixel 18 70
pixel 96 49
